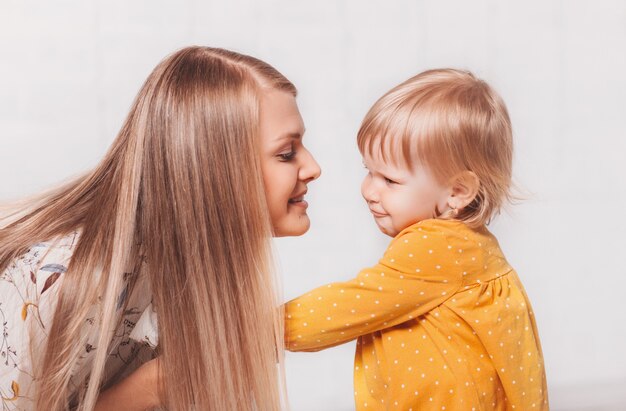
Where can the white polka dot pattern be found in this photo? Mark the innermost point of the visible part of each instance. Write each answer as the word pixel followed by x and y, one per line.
pixel 442 322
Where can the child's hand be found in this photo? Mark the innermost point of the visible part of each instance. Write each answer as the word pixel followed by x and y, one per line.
pixel 136 392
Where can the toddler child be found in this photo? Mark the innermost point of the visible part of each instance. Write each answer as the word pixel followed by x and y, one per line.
pixel 442 320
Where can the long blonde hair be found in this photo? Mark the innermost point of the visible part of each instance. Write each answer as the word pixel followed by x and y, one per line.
pixel 181 188
pixel 449 121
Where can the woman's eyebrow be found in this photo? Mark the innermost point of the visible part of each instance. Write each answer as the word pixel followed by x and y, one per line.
pixel 295 135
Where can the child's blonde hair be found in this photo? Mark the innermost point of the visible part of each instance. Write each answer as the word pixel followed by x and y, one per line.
pixel 448 121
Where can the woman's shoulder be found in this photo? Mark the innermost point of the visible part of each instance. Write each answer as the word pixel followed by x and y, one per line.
pixel 63 244
pixel 27 287
pixel 49 249
pixel 38 268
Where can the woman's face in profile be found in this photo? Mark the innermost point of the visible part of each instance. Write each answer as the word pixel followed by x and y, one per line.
pixel 287 165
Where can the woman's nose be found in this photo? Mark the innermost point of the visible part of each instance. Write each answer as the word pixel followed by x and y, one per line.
pixel 310 170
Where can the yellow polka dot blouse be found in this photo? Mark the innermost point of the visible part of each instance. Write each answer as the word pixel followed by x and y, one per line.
pixel 442 321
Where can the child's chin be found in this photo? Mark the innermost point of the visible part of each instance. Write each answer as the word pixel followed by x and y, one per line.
pixel 386 231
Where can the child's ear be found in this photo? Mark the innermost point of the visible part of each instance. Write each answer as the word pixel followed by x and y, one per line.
pixel 463 189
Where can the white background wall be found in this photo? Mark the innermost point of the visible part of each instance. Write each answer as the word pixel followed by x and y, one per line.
pixel 69 70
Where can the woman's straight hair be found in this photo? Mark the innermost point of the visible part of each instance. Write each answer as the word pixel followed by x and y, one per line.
pixel 179 197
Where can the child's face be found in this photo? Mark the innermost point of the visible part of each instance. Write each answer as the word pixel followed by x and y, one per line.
pixel 398 197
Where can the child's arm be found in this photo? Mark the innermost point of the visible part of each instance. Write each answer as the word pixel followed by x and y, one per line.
pixel 421 268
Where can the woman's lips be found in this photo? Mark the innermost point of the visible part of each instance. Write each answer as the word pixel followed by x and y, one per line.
pixel 298 202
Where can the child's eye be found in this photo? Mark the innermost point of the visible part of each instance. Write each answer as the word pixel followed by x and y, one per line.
pixel 390 181
pixel 287 156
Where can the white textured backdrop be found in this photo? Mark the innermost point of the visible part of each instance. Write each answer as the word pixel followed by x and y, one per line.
pixel 69 70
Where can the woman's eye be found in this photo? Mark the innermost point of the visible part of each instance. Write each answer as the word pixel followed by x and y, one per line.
pixel 287 156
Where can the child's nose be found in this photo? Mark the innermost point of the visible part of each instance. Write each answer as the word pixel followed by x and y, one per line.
pixel 368 191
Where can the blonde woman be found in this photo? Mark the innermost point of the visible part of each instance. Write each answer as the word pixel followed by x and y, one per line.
pixel 207 167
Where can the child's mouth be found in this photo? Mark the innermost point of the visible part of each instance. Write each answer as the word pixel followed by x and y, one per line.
pixel 376 214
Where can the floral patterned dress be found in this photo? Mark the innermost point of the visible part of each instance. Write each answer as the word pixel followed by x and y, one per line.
pixel 29 289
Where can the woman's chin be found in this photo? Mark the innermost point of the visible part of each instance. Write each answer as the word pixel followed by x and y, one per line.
pixel 293 226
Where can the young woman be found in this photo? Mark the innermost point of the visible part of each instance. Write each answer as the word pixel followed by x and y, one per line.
pixel 207 167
